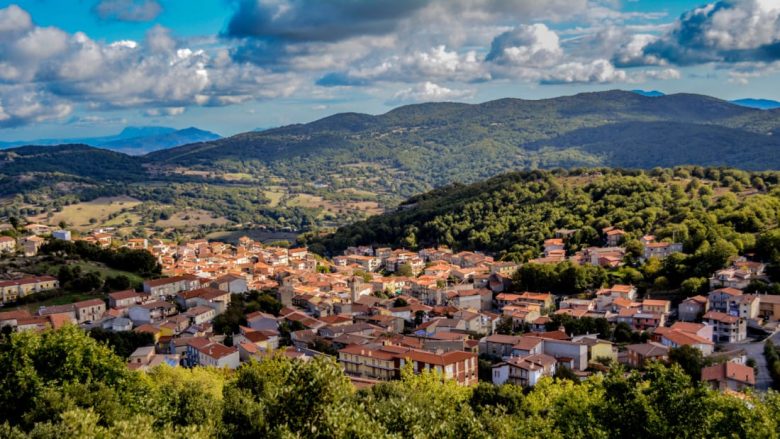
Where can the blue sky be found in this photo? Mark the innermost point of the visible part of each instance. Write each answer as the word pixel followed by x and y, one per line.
pixel 76 68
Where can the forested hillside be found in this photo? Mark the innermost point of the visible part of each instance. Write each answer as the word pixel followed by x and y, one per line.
pixel 511 215
pixel 63 384
pixel 439 143
pixel 348 166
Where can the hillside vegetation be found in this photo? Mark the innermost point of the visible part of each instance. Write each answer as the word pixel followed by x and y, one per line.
pixel 345 167
pixel 512 214
pixel 65 384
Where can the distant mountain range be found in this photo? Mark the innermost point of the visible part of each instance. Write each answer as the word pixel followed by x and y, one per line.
pixel 132 140
pixel 760 104
pixel 418 147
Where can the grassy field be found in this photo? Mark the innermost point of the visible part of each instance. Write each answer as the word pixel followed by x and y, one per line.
pixel 274 195
pixel 257 235
pixel 191 218
pixel 78 215
pixel 64 299
pixel 53 269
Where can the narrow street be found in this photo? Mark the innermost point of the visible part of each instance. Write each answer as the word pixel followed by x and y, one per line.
pixel 755 351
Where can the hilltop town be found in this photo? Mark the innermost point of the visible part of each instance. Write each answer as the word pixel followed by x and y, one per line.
pixel 378 309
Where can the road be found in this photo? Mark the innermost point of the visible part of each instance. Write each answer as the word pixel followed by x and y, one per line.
pixel 756 351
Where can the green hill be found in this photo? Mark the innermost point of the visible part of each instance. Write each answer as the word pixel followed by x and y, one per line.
pixel 439 143
pixel 512 214
pixel 344 167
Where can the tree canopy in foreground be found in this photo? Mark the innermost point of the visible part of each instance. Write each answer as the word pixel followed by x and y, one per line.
pixel 65 384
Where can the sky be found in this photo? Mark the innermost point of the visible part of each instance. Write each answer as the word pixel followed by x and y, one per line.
pixel 78 68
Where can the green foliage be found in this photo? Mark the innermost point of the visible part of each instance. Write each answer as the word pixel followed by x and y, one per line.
pixel 690 360
pixel 140 262
pixel 772 362
pixel 565 277
pixel 65 384
pixel 122 342
pixel 512 214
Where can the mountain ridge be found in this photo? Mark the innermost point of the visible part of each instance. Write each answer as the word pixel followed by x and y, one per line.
pixel 131 140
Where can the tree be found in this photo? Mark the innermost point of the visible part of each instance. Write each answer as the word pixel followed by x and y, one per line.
pixel 406 270
pixel 693 286
pixel 689 358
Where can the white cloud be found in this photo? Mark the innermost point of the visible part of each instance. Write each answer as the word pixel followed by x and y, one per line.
pixel 165 111
pixel 14 19
pixel 428 92
pixel 21 104
pixel 528 46
pixel 48 72
pixel 598 71
pixel 730 31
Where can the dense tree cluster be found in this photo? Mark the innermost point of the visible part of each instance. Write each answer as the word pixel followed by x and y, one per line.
pixel 65 384
pixel 513 214
pixel 140 262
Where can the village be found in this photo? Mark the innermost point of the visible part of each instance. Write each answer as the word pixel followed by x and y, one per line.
pixel 380 310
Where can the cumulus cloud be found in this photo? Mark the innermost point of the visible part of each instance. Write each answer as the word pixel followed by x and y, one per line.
pixel 14 19
pixel 428 92
pixel 533 46
pixel 128 10
pixel 436 63
pixel 334 20
pixel 165 111
pixel 728 31
pixel 23 104
pixel 598 71
pixel 279 33
pixel 46 72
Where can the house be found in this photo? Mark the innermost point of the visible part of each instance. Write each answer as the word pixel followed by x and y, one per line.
pixel 218 355
pixel 367 263
pixel 613 236
pixel 553 245
pixel 260 321
pixel 732 277
pixel 660 250
pixel 211 297
pixel 656 306
pixel 498 345
pixel 726 328
pixel 117 324
pixel 170 286
pixel 525 371
pixel 7 244
pixel 528 345
pixel 697 335
pixel 125 299
pixel 692 308
pixel 729 376
pixel 145 358
pixel 598 349
pixel 724 300
pixel 385 362
pixel 63 235
pixel 89 310
pixel 605 296
pixel 11 318
pixel 262 340
pixel 546 301
pixel 200 314
pixel 151 312
pixel 31 245
pixel 769 307
pixel 12 289
pixel 639 354
pixel 231 283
